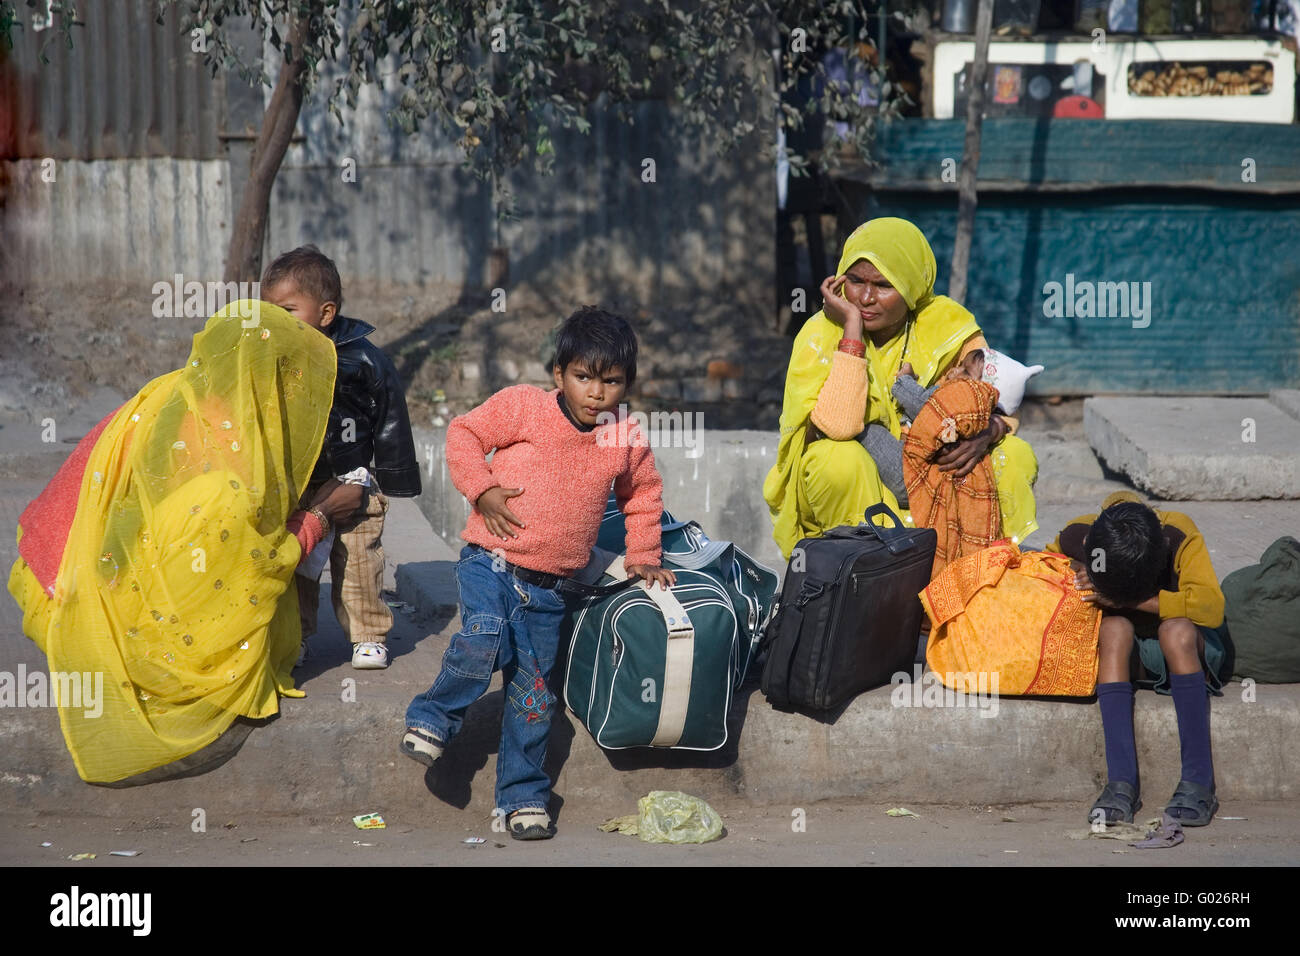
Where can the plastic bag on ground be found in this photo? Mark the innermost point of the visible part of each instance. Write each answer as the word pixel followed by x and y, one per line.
pixel 670 816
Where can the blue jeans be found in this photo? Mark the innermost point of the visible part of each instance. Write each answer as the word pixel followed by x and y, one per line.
pixel 513 626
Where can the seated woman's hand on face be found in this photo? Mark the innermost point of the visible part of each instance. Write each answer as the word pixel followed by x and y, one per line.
pixel 839 309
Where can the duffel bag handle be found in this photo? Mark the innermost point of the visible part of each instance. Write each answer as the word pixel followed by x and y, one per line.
pixel 896 538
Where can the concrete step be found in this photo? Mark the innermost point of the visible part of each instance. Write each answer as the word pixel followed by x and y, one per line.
pixel 715 477
pixel 336 750
pixel 1287 399
pixel 1207 449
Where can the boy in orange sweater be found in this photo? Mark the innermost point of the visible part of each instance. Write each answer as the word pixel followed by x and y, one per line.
pixel 537 511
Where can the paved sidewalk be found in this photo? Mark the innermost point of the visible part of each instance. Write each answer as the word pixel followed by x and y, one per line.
pixel 822 833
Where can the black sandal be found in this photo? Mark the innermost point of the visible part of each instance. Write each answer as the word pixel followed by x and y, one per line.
pixel 1193 797
pixel 1118 803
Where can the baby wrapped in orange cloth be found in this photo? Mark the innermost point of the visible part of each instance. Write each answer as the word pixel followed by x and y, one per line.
pixel 963 511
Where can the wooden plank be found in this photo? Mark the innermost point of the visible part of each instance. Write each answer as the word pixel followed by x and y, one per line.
pixel 888 184
pixel 1072 155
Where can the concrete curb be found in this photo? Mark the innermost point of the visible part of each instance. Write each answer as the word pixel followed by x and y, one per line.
pixel 323 757
pixel 335 751
pixel 331 754
pixel 1287 399
pixel 1199 449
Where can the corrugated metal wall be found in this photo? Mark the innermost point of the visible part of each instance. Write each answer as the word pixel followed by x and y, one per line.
pixel 156 197
pixel 593 226
pixel 115 170
pixel 135 221
pixel 128 88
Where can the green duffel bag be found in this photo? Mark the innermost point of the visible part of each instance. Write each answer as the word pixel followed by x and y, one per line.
pixel 1262 611
pixel 655 667
pixel 752 587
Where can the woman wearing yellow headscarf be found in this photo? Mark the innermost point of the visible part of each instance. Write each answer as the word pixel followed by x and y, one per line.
pixel 880 313
pixel 159 556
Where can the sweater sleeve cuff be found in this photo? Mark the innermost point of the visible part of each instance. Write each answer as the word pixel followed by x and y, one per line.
pixel 842 404
pixel 651 558
pixel 909 394
pixel 306 527
pixel 474 488
pixel 1172 604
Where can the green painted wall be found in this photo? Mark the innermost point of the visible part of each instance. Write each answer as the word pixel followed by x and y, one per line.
pixel 1222 264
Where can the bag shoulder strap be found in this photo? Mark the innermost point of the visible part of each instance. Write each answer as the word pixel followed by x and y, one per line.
pixel 787 622
pixel 679 660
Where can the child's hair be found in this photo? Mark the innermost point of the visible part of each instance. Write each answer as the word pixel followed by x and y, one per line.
pixel 601 339
pixel 1132 551
pixel 312 272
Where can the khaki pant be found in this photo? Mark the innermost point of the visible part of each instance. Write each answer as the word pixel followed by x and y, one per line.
pixel 356 573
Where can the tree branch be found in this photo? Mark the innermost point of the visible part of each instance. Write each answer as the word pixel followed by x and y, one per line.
pixel 244 256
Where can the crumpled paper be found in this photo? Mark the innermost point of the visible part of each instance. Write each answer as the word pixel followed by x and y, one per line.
pixel 1156 833
pixel 1169 833
pixel 669 816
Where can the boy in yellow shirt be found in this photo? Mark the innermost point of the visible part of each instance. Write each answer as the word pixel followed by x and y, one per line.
pixel 1150 573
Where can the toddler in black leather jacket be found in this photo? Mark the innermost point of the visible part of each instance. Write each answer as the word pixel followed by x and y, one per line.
pixel 368 445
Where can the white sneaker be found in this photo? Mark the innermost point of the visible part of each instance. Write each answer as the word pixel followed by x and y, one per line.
pixel 302 653
pixel 369 656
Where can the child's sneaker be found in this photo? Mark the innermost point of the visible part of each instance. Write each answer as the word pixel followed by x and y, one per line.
pixel 530 823
pixel 421 745
pixel 369 656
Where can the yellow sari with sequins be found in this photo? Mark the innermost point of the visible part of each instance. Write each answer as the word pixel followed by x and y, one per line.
pixel 176 579
pixel 815 487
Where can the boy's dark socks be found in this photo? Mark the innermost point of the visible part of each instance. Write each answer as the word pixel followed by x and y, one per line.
pixel 1192 708
pixel 1116 702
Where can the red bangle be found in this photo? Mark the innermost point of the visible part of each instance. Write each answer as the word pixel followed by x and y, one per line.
pixel 853 347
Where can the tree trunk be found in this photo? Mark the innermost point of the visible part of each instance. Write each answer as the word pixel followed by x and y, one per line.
pixel 244 256
pixel 967 199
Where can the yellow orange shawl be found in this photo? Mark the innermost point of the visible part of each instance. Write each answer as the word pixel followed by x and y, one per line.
pixel 932 340
pixel 1016 615
pixel 175 583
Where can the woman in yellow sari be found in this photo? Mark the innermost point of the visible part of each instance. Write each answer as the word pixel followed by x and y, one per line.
pixel 159 556
pixel 880 314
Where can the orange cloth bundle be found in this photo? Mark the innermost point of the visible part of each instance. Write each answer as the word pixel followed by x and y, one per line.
pixel 964 512
pixel 1015 614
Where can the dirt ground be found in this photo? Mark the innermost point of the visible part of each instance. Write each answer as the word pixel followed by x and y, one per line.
pixel 62 344
pixel 828 833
